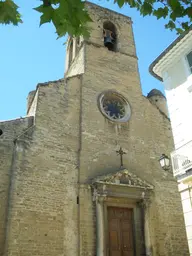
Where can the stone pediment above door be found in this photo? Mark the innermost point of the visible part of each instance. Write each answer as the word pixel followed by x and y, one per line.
pixel 123 178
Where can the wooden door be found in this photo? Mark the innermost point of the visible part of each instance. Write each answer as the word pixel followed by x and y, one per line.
pixel 120 227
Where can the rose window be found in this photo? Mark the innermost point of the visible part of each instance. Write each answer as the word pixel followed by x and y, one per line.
pixel 114 106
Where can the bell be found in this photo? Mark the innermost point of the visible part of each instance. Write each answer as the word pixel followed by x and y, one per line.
pixel 108 39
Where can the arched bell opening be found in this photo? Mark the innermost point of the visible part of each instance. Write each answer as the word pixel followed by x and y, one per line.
pixel 110 36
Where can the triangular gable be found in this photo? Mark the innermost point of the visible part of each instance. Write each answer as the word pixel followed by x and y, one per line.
pixel 125 178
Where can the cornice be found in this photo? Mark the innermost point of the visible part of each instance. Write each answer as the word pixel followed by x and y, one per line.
pixel 171 54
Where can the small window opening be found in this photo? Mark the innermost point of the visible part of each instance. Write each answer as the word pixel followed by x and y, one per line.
pixel 1 132
pixel 189 59
pixel 110 36
pixel 78 44
pixel 78 41
pixel 70 51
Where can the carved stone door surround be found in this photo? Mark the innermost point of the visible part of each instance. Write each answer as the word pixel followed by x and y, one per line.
pixel 122 189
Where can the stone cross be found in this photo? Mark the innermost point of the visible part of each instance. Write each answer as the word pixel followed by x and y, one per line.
pixel 120 152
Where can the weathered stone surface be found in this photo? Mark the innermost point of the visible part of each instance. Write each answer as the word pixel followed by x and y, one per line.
pixel 52 164
pixel 12 131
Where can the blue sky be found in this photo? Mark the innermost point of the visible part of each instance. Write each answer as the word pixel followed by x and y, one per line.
pixel 30 55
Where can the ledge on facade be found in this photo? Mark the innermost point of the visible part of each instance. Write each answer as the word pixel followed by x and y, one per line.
pixel 16 120
pixel 11 129
pixel 50 82
pixel 102 46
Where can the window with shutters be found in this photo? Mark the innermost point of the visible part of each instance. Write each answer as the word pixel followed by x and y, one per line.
pixel 189 59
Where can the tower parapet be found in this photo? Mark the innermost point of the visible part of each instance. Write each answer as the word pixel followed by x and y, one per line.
pixel 157 98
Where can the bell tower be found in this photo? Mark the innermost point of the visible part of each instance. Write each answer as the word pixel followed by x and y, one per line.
pixel 111 42
pixel 107 64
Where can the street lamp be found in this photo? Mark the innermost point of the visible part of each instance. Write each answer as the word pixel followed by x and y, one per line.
pixel 164 162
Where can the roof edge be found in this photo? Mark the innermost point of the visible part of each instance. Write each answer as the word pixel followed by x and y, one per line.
pixel 153 73
pixel 171 46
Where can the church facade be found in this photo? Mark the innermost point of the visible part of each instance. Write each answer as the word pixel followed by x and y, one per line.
pixel 80 173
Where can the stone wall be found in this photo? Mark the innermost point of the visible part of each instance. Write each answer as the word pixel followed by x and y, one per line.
pixel 11 130
pixel 144 138
pixel 43 210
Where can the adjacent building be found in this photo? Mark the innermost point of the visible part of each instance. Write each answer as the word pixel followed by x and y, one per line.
pixel 174 68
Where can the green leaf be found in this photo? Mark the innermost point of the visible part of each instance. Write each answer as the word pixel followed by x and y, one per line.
pixel 185 25
pixel 47 15
pixel 173 16
pixel 55 1
pixel 64 8
pixel 161 12
pixel 174 4
pixel 146 9
pixel 151 1
pixel 120 3
pixel 40 8
pixel 188 11
pixel 177 9
pixel 179 31
pixel 56 19
pixel 9 13
pixel 132 3
pixel 170 25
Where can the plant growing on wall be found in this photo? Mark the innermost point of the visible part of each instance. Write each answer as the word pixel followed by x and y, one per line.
pixel 70 16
